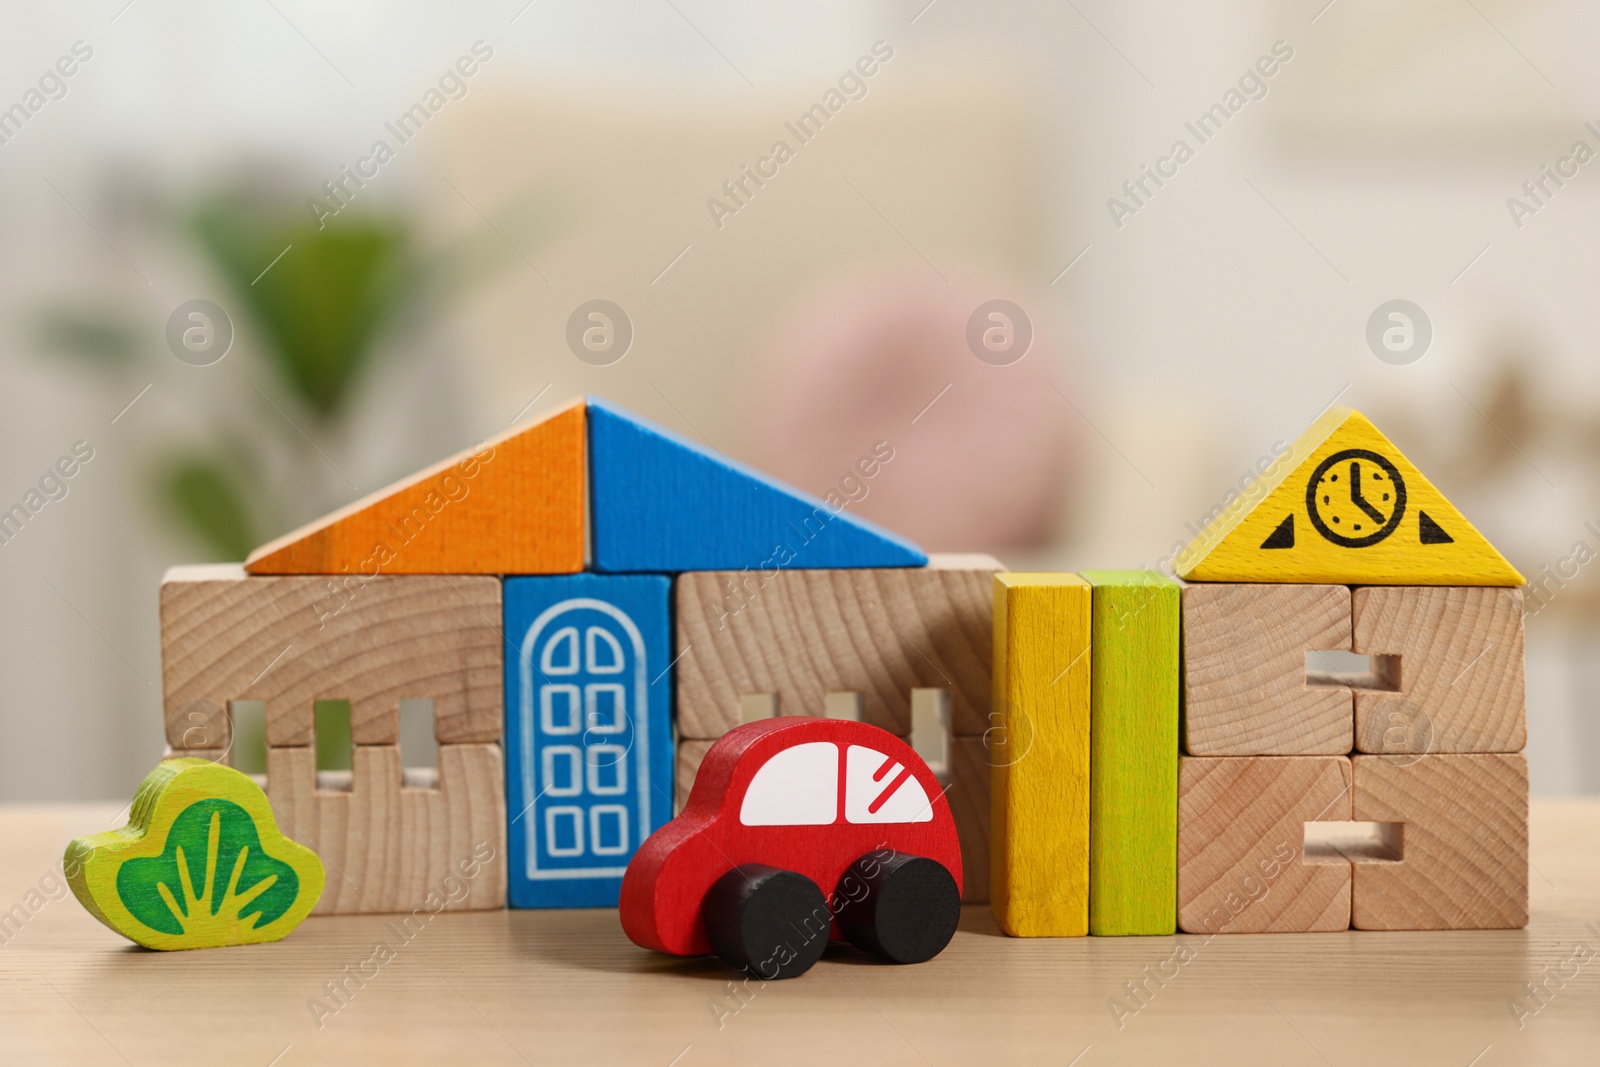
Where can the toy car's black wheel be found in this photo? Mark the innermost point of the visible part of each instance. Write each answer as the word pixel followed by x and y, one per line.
pixel 902 907
pixel 768 922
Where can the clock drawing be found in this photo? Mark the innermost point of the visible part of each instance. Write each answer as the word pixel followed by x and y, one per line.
pixel 1356 498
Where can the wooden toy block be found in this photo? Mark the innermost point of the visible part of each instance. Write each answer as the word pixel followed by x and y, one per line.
pixel 689 755
pixel 1242 866
pixel 663 503
pixel 800 634
pixel 1452 660
pixel 391 848
pixel 969 800
pixel 1342 504
pixel 1039 751
pixel 291 641
pixel 1133 753
pixel 1464 842
pixel 1246 689
pixel 511 505
pixel 798 830
pixel 200 864
pixel 588 731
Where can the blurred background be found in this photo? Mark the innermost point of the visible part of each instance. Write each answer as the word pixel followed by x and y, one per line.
pixel 397 213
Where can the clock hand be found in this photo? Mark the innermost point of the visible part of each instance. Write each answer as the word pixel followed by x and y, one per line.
pixel 1355 493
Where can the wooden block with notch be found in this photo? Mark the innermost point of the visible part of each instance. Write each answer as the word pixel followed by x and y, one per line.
pixel 1451 661
pixel 1039 783
pixel 511 505
pixel 1246 689
pixel 969 800
pixel 1242 866
pixel 389 847
pixel 1133 753
pixel 291 641
pixel 1463 846
pixel 801 634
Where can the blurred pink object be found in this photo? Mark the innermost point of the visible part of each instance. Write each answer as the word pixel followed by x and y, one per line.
pixel 981 447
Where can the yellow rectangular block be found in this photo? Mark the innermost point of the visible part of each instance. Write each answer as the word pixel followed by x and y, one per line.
pixel 1039 802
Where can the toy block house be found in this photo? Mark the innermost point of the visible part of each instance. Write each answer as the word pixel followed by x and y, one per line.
pixel 706 593
pixel 1393 799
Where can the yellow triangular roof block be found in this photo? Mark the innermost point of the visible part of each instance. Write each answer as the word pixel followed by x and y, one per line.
pixel 1344 506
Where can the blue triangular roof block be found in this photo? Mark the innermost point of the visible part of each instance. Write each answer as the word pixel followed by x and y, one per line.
pixel 658 502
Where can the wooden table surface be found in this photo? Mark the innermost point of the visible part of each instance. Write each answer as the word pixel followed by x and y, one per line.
pixel 566 987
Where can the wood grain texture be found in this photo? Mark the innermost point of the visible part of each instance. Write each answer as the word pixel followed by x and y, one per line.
pixel 797 793
pixel 1406 997
pixel 1039 800
pixel 688 756
pixel 1245 689
pixel 1241 844
pixel 663 503
pixel 1464 853
pixel 389 848
pixel 511 505
pixel 1133 753
pixel 291 641
pixel 1459 673
pixel 801 634
pixel 969 800
pixel 200 864
pixel 1398 530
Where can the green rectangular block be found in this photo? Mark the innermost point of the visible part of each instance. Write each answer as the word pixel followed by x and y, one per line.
pixel 1133 753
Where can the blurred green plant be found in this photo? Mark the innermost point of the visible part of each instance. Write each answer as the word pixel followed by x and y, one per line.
pixel 322 304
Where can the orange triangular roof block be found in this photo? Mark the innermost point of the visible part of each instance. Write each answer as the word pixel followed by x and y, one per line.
pixel 1343 506
pixel 512 505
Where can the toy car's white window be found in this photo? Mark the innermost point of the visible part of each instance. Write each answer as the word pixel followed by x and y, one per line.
pixel 880 789
pixel 797 787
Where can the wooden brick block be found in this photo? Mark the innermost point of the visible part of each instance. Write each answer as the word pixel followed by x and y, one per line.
pixel 1245 685
pixel 291 641
pixel 801 634
pixel 1464 844
pixel 1133 753
pixel 1453 656
pixel 969 800
pixel 1241 844
pixel 388 848
pixel 688 756
pixel 1039 800
pixel 588 731
pixel 511 505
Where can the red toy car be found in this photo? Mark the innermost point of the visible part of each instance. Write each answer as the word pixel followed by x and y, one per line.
pixel 800 830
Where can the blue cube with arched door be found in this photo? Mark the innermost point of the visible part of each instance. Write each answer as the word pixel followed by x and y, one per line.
pixel 588 731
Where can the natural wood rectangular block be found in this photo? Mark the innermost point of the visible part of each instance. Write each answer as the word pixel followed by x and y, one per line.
pixel 968 797
pixel 1039 799
pixel 1245 684
pixel 1454 655
pixel 291 641
pixel 801 634
pixel 388 848
pixel 687 765
pixel 1241 844
pixel 1464 845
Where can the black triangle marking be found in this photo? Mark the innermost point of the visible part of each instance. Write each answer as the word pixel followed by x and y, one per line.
pixel 1430 532
pixel 1283 536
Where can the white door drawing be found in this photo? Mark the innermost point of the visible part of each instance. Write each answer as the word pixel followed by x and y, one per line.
pixel 585 764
